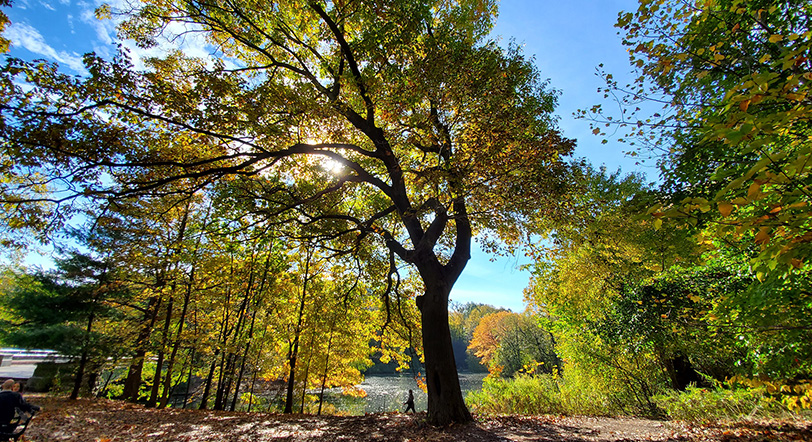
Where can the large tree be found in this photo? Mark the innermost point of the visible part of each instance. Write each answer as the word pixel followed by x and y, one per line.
pixel 394 122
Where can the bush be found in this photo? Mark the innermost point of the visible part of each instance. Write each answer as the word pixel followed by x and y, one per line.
pixel 523 394
pixel 538 394
pixel 700 405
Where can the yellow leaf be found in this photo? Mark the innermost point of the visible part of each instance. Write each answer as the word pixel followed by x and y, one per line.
pixel 763 236
pixel 658 223
pixel 775 38
pixel 744 105
pixel 725 209
pixel 754 190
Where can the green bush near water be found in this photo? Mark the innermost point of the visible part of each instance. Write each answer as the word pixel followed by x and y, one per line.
pixel 534 395
pixel 520 395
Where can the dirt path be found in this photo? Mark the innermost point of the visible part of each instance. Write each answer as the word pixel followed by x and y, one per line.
pixel 113 421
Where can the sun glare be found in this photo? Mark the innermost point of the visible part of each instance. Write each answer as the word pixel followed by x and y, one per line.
pixel 332 166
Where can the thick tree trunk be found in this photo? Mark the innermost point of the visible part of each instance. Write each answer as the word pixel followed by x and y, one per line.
pixel 445 402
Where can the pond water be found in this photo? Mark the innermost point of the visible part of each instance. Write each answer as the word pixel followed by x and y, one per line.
pixel 389 392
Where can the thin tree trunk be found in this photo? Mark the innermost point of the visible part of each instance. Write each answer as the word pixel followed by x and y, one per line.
pixel 293 354
pixel 244 358
pixel 156 380
pixel 133 382
pixel 291 375
pixel 176 345
pixel 239 379
pixel 218 395
pixel 253 382
pixel 256 367
pixel 326 366
pixel 167 382
pixel 207 389
pixel 189 378
pixel 80 372
pixel 306 373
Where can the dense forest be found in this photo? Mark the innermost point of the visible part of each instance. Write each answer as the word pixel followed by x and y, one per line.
pixel 248 229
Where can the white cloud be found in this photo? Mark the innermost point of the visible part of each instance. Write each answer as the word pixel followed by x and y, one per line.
pixel 27 37
pixel 47 5
pixel 105 29
pixel 176 36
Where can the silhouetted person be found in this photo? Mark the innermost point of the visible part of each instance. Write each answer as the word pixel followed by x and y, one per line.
pixel 409 402
pixel 9 401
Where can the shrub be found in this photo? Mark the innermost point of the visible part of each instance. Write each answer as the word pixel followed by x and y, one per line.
pixel 700 405
pixel 523 394
pixel 539 394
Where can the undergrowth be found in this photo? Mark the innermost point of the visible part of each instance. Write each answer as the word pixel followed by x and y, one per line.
pixel 547 394
pixel 534 395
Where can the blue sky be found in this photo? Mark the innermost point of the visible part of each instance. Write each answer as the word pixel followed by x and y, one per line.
pixel 568 40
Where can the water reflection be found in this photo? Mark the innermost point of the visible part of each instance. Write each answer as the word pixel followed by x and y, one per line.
pixel 386 393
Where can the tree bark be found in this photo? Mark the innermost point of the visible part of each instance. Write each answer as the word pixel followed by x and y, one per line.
pixel 326 366
pixel 445 401
pixel 133 382
pixel 176 346
pixel 156 380
pixel 80 372
pixel 293 354
pixel 204 401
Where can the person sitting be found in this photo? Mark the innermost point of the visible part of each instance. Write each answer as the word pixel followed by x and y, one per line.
pixel 10 401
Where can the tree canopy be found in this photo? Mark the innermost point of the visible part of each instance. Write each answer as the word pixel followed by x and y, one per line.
pixel 393 124
pixel 733 78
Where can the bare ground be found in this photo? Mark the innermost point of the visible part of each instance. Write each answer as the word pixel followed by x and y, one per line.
pixel 114 421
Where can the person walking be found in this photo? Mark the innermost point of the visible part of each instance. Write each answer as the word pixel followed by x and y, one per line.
pixel 410 402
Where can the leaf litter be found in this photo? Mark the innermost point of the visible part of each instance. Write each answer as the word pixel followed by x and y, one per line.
pixel 101 420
